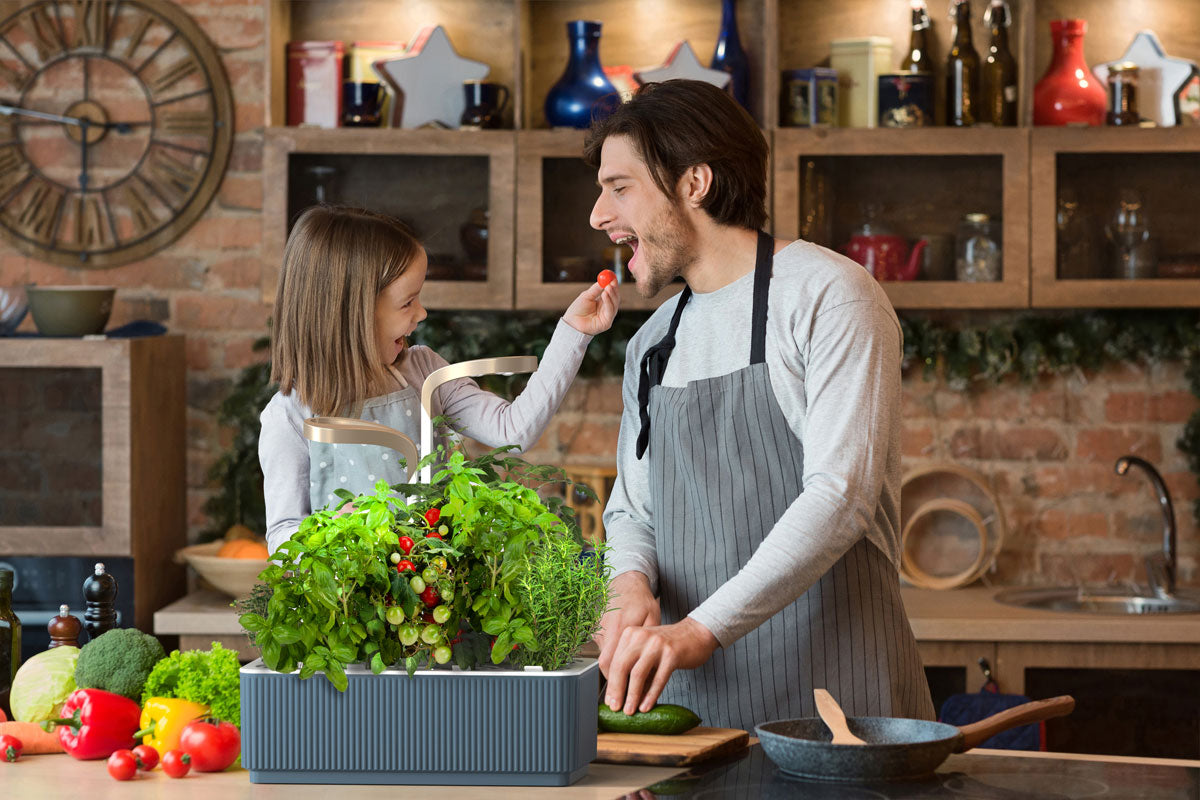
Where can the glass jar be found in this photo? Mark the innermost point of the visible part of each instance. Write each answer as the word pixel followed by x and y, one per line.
pixel 977 249
pixel 1122 94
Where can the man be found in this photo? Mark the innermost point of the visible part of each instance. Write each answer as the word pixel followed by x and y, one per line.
pixel 754 523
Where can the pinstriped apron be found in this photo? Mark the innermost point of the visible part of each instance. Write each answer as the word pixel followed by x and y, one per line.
pixel 724 466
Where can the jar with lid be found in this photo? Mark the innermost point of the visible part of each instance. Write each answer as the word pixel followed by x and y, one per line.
pixel 977 249
pixel 1122 94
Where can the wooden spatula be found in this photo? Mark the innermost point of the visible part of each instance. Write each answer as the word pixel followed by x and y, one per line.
pixel 831 715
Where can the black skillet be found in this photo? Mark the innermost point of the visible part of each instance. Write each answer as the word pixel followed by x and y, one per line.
pixel 895 749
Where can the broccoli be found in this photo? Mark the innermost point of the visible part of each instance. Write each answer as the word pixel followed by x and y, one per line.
pixel 118 661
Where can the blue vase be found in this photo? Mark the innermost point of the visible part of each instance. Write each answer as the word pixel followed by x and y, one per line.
pixel 584 90
pixel 729 55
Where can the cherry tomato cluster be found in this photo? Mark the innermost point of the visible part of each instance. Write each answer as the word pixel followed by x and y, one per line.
pixel 432 581
pixel 207 746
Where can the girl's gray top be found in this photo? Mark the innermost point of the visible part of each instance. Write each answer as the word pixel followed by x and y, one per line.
pixel 834 349
pixel 300 475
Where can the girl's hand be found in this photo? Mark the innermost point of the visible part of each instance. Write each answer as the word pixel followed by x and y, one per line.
pixel 594 310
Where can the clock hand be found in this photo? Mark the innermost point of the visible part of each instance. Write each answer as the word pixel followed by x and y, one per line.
pixel 8 111
pixel 83 153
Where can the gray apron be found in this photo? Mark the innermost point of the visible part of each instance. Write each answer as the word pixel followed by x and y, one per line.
pixel 724 466
pixel 357 467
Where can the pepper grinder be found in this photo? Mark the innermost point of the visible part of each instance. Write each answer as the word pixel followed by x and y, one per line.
pixel 65 628
pixel 100 591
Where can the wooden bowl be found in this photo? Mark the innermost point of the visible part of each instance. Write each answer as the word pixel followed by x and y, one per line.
pixel 233 576
pixel 944 545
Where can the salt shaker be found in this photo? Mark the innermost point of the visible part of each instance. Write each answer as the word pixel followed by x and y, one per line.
pixel 65 628
pixel 100 591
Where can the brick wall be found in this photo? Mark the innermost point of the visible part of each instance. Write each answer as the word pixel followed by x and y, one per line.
pixel 1049 448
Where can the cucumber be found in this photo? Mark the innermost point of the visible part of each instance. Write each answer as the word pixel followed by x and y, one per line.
pixel 663 718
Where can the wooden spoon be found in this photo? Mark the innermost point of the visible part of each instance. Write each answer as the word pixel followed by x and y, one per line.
pixel 831 715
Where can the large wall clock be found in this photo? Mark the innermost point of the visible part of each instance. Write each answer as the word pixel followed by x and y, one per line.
pixel 116 122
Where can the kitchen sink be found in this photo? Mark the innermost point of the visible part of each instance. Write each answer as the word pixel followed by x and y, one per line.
pixel 1098 601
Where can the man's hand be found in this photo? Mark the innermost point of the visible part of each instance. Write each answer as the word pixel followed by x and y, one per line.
pixel 645 657
pixel 594 309
pixel 631 604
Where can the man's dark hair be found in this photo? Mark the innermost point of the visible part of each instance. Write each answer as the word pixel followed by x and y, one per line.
pixel 679 124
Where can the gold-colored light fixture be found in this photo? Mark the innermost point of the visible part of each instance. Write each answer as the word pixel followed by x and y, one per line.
pixel 344 430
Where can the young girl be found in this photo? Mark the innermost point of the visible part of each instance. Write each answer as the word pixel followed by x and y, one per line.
pixel 348 297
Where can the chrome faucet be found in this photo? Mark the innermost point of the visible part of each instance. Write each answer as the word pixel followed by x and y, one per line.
pixel 1160 567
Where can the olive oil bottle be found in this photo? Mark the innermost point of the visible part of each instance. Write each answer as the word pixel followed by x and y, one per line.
pixel 962 70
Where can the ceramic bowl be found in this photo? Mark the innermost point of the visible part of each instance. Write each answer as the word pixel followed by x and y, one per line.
pixel 70 310
pixel 13 306
pixel 233 576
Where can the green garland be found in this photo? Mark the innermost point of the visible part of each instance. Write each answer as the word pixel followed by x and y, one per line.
pixel 952 346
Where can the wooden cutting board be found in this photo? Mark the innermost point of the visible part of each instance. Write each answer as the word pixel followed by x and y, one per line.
pixel 698 744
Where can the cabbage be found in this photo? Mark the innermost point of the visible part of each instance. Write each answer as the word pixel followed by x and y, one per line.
pixel 43 683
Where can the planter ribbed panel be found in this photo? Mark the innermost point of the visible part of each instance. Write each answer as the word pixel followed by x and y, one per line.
pixel 443 727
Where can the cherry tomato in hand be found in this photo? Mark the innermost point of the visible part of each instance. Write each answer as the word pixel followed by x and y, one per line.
pixel 432 516
pixel 406 544
pixel 404 565
pixel 122 765
pixel 212 747
pixel 176 763
pixel 431 596
pixel 147 757
pixel 10 748
pixel 606 277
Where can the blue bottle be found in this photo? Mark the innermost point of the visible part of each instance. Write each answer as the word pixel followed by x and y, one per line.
pixel 584 90
pixel 729 55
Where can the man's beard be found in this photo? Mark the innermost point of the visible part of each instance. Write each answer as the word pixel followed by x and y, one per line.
pixel 672 237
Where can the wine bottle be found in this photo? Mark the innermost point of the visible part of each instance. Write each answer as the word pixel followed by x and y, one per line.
pixel 999 70
pixel 962 70
pixel 10 640
pixel 917 59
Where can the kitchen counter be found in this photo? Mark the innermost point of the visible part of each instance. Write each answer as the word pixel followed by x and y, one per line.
pixel 38 777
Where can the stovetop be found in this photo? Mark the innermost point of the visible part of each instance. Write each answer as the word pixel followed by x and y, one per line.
pixel 961 777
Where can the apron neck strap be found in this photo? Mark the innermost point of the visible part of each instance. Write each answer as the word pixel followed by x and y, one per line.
pixel 654 362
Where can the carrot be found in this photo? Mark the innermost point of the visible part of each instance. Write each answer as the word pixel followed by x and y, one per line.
pixel 36 740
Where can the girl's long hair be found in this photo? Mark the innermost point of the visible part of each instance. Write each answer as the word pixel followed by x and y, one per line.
pixel 335 264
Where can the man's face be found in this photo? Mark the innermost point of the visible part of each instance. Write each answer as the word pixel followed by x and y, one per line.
pixel 632 210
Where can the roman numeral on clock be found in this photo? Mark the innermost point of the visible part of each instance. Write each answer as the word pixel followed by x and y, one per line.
pixel 139 33
pixel 174 74
pixel 42 31
pixel 139 209
pixel 38 217
pixel 92 18
pixel 12 170
pixel 186 123
pixel 90 230
pixel 170 178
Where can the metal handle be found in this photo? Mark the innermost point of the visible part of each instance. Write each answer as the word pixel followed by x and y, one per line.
pixel 344 430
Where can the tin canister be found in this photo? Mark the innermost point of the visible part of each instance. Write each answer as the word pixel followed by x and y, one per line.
pixel 905 100
pixel 808 98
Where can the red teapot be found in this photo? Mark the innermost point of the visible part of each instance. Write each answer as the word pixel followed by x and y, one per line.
pixel 885 255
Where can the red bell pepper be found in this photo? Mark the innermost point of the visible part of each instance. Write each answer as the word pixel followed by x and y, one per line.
pixel 97 723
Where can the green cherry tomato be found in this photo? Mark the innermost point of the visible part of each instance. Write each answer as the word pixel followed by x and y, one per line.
pixel 429 575
pixel 442 654
pixel 443 529
pixel 446 593
pixel 417 584
pixel 408 634
pixel 394 558
pixel 441 614
pixel 431 634
pixel 440 564
pixel 395 615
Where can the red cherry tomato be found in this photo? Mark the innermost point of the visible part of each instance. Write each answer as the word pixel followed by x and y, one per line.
pixel 176 763
pixel 427 616
pixel 406 544
pixel 212 747
pixel 432 516
pixel 606 277
pixel 431 597
pixel 404 565
pixel 147 757
pixel 433 535
pixel 10 748
pixel 122 765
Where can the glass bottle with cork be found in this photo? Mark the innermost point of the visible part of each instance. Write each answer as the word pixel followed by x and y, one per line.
pixel 962 70
pixel 999 69
pixel 917 59
pixel 10 640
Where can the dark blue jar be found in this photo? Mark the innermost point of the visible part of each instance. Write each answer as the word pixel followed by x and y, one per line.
pixel 729 56
pixel 584 90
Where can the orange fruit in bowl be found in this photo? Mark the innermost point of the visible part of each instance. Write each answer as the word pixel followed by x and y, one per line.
pixel 243 548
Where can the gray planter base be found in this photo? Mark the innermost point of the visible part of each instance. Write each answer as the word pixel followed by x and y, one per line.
pixel 443 727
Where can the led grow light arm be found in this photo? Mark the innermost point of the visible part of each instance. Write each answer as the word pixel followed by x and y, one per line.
pixel 345 430
pixel 508 365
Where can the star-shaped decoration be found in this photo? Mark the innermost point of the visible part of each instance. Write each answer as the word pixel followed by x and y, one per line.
pixel 428 80
pixel 682 63
pixel 1159 77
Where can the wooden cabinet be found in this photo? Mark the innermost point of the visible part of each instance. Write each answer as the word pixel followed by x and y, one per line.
pixel 541 252
pixel 97 428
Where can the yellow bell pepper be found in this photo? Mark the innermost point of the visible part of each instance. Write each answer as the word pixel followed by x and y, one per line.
pixel 163 720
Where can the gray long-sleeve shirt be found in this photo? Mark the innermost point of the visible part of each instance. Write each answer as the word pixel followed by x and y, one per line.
pixel 833 350
pixel 283 451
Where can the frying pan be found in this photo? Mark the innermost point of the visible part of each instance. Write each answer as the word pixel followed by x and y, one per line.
pixel 895 749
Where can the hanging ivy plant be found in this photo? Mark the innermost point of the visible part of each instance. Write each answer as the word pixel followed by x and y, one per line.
pixel 947 346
